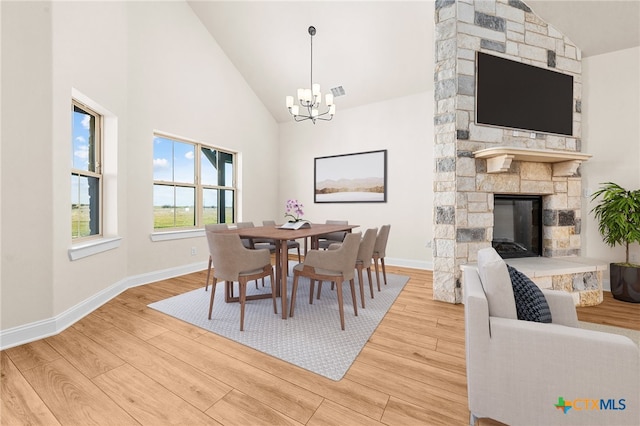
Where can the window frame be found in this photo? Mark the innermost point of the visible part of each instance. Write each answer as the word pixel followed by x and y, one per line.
pixel 98 155
pixel 197 185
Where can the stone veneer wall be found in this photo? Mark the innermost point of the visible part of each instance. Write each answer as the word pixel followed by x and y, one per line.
pixel 463 190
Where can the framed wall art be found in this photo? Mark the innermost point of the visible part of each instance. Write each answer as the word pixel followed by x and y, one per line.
pixel 351 178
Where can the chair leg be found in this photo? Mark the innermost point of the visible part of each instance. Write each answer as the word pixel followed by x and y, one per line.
pixel 384 270
pixel 353 296
pixel 361 284
pixel 294 290
pixel 299 257
pixel 206 283
pixel 319 289
pixel 312 284
pixel 213 293
pixel 243 298
pixel 340 306
pixel 375 263
pixel 370 281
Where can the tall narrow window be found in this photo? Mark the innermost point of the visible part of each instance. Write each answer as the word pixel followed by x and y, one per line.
pixel 193 184
pixel 86 172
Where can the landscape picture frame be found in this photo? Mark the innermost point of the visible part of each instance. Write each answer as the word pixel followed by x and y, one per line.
pixel 359 177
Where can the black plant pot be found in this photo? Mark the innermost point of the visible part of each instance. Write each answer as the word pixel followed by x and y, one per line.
pixel 625 282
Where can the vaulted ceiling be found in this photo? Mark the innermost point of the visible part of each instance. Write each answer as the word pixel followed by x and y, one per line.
pixel 376 50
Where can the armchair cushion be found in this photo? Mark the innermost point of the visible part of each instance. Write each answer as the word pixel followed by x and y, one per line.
pixel 531 305
pixel 496 283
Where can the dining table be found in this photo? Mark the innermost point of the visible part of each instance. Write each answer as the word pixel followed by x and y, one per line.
pixel 280 236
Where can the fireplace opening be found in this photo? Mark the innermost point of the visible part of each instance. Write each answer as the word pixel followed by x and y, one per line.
pixel 517 225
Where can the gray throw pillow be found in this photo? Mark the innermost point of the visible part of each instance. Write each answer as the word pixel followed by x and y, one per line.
pixel 531 305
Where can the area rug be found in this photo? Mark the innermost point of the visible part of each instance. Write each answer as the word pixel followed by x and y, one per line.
pixel 631 334
pixel 311 339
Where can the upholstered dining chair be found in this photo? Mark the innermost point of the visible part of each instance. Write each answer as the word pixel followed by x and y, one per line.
pixel 212 227
pixel 363 261
pixel 255 244
pixel 236 263
pixel 291 244
pixel 379 252
pixel 329 265
pixel 325 240
pixel 247 242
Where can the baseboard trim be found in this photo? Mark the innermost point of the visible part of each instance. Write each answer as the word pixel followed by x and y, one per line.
pixel 41 329
pixel 49 327
pixel 409 263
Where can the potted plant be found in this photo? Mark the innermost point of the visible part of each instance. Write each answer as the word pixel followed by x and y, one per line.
pixel 618 215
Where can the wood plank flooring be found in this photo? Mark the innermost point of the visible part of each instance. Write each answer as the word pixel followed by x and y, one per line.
pixel 128 364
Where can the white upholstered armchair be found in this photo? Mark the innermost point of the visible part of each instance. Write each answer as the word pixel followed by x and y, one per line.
pixel 519 372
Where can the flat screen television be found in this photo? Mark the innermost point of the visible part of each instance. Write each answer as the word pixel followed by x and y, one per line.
pixel 523 97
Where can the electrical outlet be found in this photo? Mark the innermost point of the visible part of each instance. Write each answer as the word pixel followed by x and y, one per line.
pixel 194 251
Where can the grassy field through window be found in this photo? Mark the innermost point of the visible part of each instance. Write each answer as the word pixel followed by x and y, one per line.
pixel 169 217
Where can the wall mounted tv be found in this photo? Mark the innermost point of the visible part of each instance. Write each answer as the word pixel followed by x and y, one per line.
pixel 521 96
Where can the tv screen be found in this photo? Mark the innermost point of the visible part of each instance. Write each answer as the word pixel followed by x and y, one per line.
pixel 521 96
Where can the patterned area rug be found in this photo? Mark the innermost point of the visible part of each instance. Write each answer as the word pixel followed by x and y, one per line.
pixel 312 339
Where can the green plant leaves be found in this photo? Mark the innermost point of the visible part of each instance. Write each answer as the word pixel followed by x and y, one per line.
pixel 618 215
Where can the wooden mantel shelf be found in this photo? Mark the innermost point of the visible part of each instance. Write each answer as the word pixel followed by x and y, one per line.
pixel 565 163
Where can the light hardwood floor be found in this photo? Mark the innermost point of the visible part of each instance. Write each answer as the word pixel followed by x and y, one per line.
pixel 128 364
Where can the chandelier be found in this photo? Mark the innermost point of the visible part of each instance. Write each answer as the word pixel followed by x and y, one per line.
pixel 310 99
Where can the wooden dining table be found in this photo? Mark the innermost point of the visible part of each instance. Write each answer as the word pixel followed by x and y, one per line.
pixel 280 237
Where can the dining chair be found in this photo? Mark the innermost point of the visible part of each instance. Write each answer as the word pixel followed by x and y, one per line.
pixel 291 244
pixel 325 240
pixel 254 243
pixel 212 227
pixel 363 261
pixel 379 252
pixel 335 266
pixel 236 263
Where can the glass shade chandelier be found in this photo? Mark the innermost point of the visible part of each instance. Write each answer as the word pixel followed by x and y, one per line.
pixel 310 100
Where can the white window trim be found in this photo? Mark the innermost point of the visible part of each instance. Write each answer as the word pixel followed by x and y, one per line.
pixel 96 246
pixel 110 239
pixel 177 235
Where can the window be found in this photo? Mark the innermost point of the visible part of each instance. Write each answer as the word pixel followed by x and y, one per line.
pixel 193 184
pixel 86 173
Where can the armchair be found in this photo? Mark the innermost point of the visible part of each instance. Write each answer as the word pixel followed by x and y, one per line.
pixel 525 373
pixel 325 240
pixel 379 252
pixel 212 227
pixel 336 266
pixel 234 262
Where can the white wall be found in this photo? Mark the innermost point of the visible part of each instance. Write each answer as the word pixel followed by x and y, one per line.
pixel 182 83
pixel 611 133
pixel 402 126
pixel 153 66
pixel 27 196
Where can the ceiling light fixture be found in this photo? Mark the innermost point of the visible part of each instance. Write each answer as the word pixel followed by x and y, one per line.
pixel 310 99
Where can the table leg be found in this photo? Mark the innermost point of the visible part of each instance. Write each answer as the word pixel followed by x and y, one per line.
pixel 278 271
pixel 284 268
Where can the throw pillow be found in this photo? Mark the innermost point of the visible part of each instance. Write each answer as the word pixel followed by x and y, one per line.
pixel 531 305
pixel 496 283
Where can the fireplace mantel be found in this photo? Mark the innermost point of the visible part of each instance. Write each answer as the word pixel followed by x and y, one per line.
pixel 565 163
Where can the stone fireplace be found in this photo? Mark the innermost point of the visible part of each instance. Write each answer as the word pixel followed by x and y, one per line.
pixel 473 163
pixel 517 225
